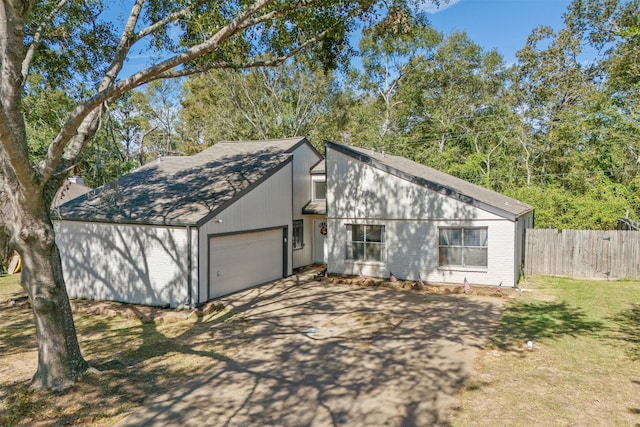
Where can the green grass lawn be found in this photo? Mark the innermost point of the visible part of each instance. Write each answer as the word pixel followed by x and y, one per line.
pixel 584 368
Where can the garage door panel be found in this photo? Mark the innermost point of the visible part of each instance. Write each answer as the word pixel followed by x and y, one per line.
pixel 240 261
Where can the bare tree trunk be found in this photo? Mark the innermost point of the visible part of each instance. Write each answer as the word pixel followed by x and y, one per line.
pixel 60 362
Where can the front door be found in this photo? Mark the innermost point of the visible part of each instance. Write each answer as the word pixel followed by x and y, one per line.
pixel 320 242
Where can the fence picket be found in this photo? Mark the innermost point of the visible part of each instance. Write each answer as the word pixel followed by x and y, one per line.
pixel 594 254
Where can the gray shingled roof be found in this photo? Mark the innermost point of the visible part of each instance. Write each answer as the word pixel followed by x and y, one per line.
pixel 70 189
pixel 320 168
pixel 441 182
pixel 183 190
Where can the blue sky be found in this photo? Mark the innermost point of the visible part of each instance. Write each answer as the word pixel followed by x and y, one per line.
pixel 503 25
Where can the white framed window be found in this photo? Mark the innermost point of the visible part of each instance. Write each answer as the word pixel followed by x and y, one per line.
pixel 365 242
pixel 463 246
pixel 319 189
pixel 298 234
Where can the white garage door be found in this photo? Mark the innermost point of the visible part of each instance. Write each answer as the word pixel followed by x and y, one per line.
pixel 239 261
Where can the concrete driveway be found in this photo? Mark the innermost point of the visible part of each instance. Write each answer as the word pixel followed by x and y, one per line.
pixel 329 355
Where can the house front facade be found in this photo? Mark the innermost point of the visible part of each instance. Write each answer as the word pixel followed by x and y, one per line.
pixel 183 230
pixel 387 214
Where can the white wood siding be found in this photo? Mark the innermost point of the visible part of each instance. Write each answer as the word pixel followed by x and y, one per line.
pixel 304 158
pixel 266 206
pixel 129 263
pixel 411 249
pixel 411 215
pixel 356 190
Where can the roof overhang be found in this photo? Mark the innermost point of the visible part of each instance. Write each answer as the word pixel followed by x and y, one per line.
pixel 316 207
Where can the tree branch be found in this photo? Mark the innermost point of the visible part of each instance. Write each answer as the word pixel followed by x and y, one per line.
pixel 173 17
pixel 123 46
pixel 78 115
pixel 232 65
pixel 277 13
pixel 26 63
pixel 127 40
pixel 16 163
pixel 89 125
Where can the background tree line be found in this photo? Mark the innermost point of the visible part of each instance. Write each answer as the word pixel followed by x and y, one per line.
pixel 559 129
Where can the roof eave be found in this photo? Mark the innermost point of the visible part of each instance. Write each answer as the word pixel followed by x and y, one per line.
pixel 127 222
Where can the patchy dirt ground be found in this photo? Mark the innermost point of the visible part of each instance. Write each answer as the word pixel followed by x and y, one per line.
pixel 325 353
pixel 300 351
pixel 445 289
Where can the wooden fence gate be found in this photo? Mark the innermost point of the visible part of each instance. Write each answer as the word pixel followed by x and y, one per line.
pixel 594 254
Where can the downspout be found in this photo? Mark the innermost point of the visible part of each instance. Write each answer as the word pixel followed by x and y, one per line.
pixel 189 280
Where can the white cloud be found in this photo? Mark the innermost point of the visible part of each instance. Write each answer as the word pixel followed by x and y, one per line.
pixel 432 8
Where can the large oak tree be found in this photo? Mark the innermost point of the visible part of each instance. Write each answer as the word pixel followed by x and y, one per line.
pixel 68 45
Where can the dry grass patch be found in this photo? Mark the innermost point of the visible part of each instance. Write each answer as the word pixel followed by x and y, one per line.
pixel 585 365
pixel 9 287
pixel 136 356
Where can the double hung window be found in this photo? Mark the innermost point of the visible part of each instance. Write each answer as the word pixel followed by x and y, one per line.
pixel 365 242
pixel 463 247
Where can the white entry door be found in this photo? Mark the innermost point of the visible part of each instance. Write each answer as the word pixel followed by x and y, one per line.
pixel 240 261
pixel 320 242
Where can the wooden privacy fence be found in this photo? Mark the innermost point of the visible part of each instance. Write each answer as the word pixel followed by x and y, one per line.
pixel 611 254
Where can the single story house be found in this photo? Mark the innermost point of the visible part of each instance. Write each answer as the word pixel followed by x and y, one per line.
pixel 183 230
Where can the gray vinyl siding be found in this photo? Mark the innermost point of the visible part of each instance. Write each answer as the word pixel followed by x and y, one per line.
pixel 266 206
pixel 412 215
pixel 137 264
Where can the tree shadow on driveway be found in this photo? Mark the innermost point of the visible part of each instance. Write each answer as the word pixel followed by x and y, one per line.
pixel 323 354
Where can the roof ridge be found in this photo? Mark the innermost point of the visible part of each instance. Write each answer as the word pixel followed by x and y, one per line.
pixel 289 138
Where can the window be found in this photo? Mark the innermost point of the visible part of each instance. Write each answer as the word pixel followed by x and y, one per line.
pixel 298 233
pixel 365 242
pixel 465 247
pixel 319 190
